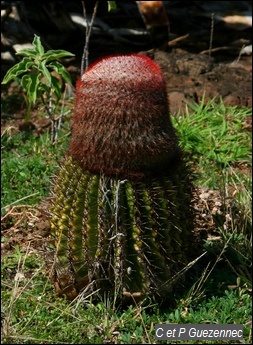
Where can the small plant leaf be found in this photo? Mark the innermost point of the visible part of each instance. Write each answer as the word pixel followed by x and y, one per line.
pixel 60 69
pixel 111 5
pixel 56 54
pixel 42 68
pixel 25 81
pixel 38 46
pixel 20 68
pixel 35 80
pixel 30 83
pixel 29 52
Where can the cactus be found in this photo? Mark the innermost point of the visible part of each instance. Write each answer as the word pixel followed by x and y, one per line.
pixel 122 221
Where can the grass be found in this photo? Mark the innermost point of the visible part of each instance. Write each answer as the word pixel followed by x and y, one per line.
pixel 34 314
pixel 219 150
pixel 27 165
pixel 216 138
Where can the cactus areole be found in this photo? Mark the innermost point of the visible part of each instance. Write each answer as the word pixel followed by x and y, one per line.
pixel 121 124
pixel 122 221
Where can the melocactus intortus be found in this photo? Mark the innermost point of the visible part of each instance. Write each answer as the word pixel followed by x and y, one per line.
pixel 122 221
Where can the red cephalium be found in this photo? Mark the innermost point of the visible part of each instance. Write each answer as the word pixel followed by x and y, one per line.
pixel 121 123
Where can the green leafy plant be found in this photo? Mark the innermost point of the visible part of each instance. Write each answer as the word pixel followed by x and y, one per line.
pixel 41 77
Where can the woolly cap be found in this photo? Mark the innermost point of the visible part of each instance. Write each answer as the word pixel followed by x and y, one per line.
pixel 121 123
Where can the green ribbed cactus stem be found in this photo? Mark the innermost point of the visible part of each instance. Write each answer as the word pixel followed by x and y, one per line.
pixel 119 237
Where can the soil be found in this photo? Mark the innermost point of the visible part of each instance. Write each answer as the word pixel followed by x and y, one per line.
pixel 190 77
pixel 190 73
